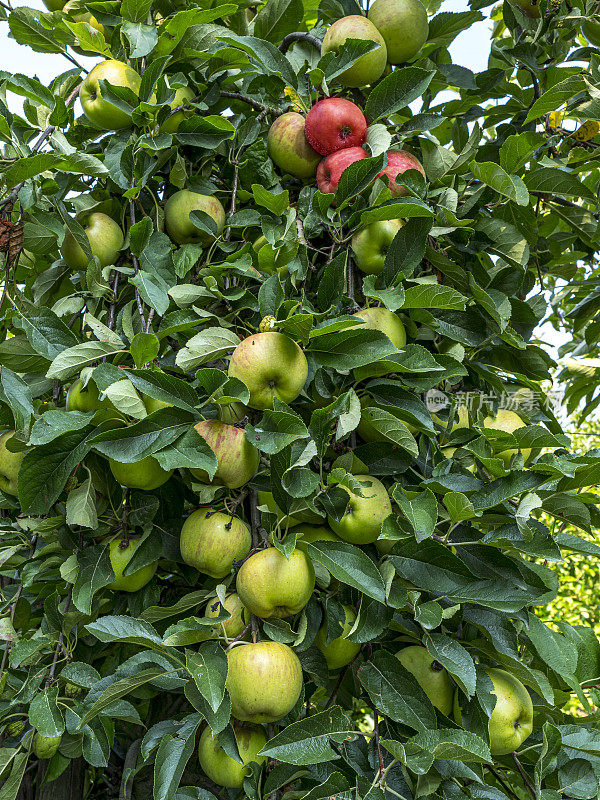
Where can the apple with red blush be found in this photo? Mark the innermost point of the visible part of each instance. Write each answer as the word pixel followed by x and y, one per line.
pixel 335 124
pixel 400 161
pixel 330 169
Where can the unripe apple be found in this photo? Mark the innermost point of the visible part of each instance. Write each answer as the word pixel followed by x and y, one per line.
pixel 361 524
pixel 237 458
pixel 330 169
pixel 403 25
pixel 100 111
pixel 10 464
pixel 400 161
pixel 313 533
pixel 378 318
pixel 84 398
pixel 339 651
pixel 211 541
pixel 233 626
pixel 264 681
pixel 509 421
pixel 512 718
pixel 271 365
pixel 334 124
pixel 273 586
pixel 178 208
pixel 120 554
pixel 182 95
pixel 54 5
pixel 371 244
pixel 430 675
pixel 146 474
pixel 105 238
pixel 369 67
pixel 288 146
pixel 221 768
pixel 45 746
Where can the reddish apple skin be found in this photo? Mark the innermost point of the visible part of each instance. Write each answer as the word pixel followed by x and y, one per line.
pixel 334 124
pixel 288 147
pixel 399 161
pixel 330 169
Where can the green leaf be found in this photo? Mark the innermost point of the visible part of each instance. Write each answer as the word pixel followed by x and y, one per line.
pixel 71 361
pixel 433 295
pixel 449 744
pixel 421 511
pixel 81 504
pixel 208 345
pixel 208 668
pixel 277 18
pixel 44 713
pixel 144 438
pixel 397 91
pixel 500 181
pixel 350 565
pixel 308 741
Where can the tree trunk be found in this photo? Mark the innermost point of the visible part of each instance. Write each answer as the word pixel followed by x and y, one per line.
pixel 68 786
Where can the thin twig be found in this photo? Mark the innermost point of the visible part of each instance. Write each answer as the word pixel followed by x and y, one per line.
pixel 136 269
pixel 59 644
pixel 377 742
pixel 255 104
pixel 523 775
pixel 504 785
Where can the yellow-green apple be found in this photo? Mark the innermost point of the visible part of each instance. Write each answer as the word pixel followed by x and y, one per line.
pixel 233 606
pixel 105 238
pixel 237 458
pixel 381 319
pixel 364 516
pixel 98 110
pixel 369 67
pixel 74 9
pixel 340 651
pixel 10 464
pixel 403 25
pixel 512 718
pixel 371 244
pixel 313 533
pixel 54 5
pixel 334 124
pixel 430 675
pixel 331 168
pixel 271 365
pixel 221 768
pixel 273 586
pixel 145 474
pixel 45 746
pixel 289 148
pixel 264 681
pixel 399 161
pixel 120 554
pixel 591 30
pixel 183 95
pixel 211 541
pixel 509 421
pixel 178 208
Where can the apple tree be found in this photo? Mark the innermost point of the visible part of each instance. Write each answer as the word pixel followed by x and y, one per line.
pixel 280 489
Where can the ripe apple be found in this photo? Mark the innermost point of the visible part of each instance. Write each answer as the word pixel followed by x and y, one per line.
pixel 233 626
pixel 430 675
pixel 105 238
pixel 531 8
pixel 288 146
pixel 334 124
pixel 591 30
pixel 382 319
pixel 146 474
pixel 361 524
pixel 79 14
pixel 221 768
pixel 99 111
pixel 273 586
pixel 369 67
pixel 182 95
pixel 211 541
pixel 120 554
pixel 509 421
pixel 177 216
pixel 403 25
pixel 330 169
pixel 264 681
pixel 271 365
pixel 10 464
pixel 371 244
pixel 400 161
pixel 512 718
pixel 45 746
pixel 237 458
pixel 339 651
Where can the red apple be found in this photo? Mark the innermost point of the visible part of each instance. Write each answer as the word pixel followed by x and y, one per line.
pixel 334 124
pixel 330 169
pixel 399 161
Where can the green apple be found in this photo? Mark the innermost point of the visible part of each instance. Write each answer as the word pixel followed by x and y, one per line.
pixel 120 554
pixel 178 208
pixel 151 404
pixel 45 746
pixel 381 319
pixel 100 111
pixel 183 95
pixel 430 675
pixel 211 541
pixel 361 524
pixel 264 681
pixel 591 31
pixel 288 146
pixel 273 586
pixel 54 5
pixel 74 9
pixel 10 464
pixel 512 718
pixel 84 398
pixel 531 8
pixel 221 768
pixel 314 533
pixel 233 626
pixel 339 651
pixel 105 238
pixel 230 413
pixel 509 421
pixel 146 474
pixel 368 68
pixel 237 458
pixel 371 244
pixel 403 25
pixel 271 365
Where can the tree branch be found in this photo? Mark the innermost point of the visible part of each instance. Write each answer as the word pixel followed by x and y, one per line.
pixel 299 36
